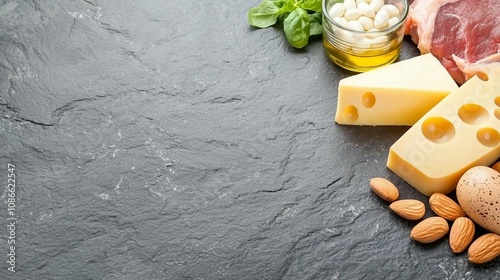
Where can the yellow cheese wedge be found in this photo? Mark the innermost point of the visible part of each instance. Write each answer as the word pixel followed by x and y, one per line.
pixel 460 132
pixel 396 94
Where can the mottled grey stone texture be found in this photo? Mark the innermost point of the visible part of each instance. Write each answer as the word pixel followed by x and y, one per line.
pixel 170 140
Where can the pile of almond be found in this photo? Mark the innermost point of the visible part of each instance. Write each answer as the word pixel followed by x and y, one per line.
pixel 484 249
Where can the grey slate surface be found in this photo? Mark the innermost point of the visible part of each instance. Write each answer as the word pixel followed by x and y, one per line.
pixel 170 140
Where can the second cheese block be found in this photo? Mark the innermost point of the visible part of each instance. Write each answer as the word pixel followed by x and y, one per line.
pixel 460 132
pixel 396 94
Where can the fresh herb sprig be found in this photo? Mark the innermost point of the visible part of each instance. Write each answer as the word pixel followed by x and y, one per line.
pixel 301 18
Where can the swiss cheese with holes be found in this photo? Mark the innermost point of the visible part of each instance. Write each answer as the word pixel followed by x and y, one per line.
pixel 396 94
pixel 460 132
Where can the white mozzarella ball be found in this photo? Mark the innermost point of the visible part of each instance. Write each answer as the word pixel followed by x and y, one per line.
pixel 350 4
pixel 341 21
pixel 372 33
pixel 337 10
pixel 345 36
pixel 343 39
pixel 376 5
pixel 366 22
pixel 393 21
pixel 392 10
pixel 352 14
pixel 381 19
pixel 362 1
pixel 380 39
pixel 355 25
pixel 362 45
pixel 366 10
pixel 381 42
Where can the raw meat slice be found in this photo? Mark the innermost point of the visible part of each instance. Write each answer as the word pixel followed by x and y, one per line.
pixel 479 68
pixel 463 34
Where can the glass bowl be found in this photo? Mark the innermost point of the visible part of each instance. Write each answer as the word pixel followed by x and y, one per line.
pixel 360 49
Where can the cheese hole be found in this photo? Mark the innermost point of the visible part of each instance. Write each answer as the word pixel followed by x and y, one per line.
pixel 497 101
pixel 483 76
pixel 497 113
pixel 473 114
pixel 368 99
pixel 438 130
pixel 488 136
pixel 350 113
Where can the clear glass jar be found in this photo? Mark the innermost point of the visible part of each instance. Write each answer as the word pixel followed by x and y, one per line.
pixel 362 50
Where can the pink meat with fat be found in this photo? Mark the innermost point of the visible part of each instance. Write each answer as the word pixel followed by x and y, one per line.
pixel 463 34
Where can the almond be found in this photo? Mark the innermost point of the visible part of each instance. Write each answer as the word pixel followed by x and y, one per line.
pixel 445 207
pixel 384 189
pixel 461 234
pixel 485 248
pixel 496 166
pixel 410 209
pixel 430 230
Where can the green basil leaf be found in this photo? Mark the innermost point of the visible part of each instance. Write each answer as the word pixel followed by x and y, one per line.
pixel 297 28
pixel 288 6
pixel 315 22
pixel 312 5
pixel 282 17
pixel 279 3
pixel 264 15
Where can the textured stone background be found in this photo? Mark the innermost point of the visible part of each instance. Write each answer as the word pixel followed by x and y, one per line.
pixel 170 140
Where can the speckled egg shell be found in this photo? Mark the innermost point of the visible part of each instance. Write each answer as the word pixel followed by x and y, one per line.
pixel 478 193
